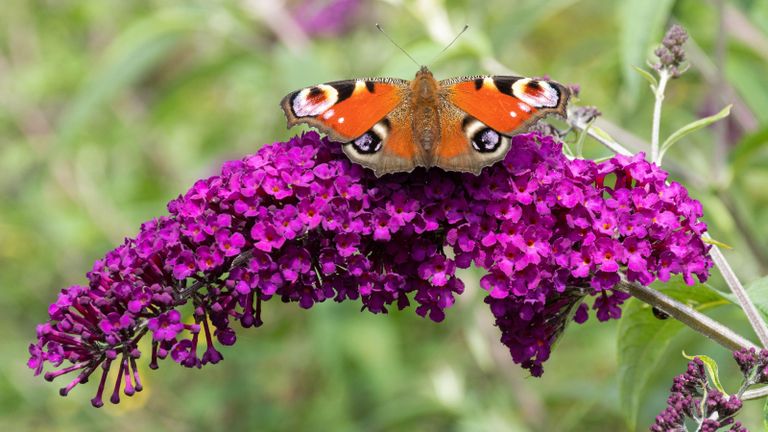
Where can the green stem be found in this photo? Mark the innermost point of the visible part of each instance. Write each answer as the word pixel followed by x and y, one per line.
pixel 688 316
pixel 580 141
pixel 664 77
pixel 757 322
pixel 757 393
pixel 600 135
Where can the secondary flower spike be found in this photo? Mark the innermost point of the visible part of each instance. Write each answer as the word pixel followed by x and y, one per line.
pixel 300 222
pixel 692 397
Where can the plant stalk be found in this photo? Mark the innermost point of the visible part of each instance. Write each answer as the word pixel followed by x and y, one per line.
pixel 664 77
pixel 757 322
pixel 601 136
pixel 757 393
pixel 688 316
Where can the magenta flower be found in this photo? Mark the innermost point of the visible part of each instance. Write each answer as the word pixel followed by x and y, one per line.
pixel 207 260
pixel 438 270
pixel 183 264
pixel 347 243
pixel 229 243
pixel 326 17
pixel 299 222
pixel 266 237
pixel 166 326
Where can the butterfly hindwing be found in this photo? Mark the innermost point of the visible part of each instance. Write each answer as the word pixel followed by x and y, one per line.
pixel 467 144
pixel 344 110
pixel 507 104
pixel 389 146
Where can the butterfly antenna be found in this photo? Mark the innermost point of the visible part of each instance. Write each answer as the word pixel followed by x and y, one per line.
pixel 395 44
pixel 466 27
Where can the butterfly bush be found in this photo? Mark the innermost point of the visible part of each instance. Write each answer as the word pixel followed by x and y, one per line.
pixel 693 398
pixel 299 222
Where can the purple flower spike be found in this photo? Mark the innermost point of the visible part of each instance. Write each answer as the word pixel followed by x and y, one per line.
pixel 326 17
pixel 692 397
pixel 299 222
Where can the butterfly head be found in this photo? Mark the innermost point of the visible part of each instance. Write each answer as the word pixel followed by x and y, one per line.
pixel 424 85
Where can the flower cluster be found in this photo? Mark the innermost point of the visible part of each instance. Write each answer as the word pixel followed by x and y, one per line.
pixel 325 17
pixel 300 222
pixel 671 53
pixel 716 411
pixel 753 365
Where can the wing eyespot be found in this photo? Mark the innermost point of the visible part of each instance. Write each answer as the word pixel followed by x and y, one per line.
pixel 372 140
pixel 314 100
pixel 486 140
pixel 367 143
pixel 483 138
pixel 539 94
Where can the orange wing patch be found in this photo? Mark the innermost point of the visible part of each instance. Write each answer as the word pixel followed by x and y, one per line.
pixel 507 104
pixel 353 116
pixel 400 143
pixel 453 141
pixel 468 144
pixel 344 110
pixel 399 152
pixel 499 111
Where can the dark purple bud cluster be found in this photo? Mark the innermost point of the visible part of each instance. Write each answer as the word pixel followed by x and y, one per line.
pixel 693 399
pixel 299 222
pixel 584 114
pixel 671 53
pixel 753 364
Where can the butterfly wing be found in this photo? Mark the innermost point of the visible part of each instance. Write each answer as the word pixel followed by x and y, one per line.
pixel 467 144
pixel 369 115
pixel 479 114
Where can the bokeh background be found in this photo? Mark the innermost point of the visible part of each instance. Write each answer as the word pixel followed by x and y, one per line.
pixel 108 109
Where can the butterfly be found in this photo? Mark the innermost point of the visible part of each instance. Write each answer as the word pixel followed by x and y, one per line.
pixel 393 125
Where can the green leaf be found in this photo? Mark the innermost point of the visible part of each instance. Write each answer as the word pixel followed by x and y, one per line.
pixel 602 134
pixel 717 243
pixel 692 127
pixel 132 55
pixel 648 77
pixel 711 366
pixel 748 72
pixel 757 291
pixel 641 23
pixel 607 140
pixel 643 339
pixel 519 21
pixel 749 149
pixel 765 415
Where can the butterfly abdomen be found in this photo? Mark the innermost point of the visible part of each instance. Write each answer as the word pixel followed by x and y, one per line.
pixel 425 120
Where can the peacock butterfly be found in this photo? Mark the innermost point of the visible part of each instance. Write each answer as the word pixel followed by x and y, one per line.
pixel 394 125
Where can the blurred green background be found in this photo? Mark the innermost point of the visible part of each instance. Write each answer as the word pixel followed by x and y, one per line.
pixel 108 109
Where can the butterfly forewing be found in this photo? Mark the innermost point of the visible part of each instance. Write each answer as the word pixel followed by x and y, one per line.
pixel 344 110
pixel 507 104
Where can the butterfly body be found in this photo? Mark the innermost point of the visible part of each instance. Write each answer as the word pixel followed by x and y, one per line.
pixel 393 125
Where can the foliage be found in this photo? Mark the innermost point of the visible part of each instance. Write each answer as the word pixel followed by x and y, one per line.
pixel 109 109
